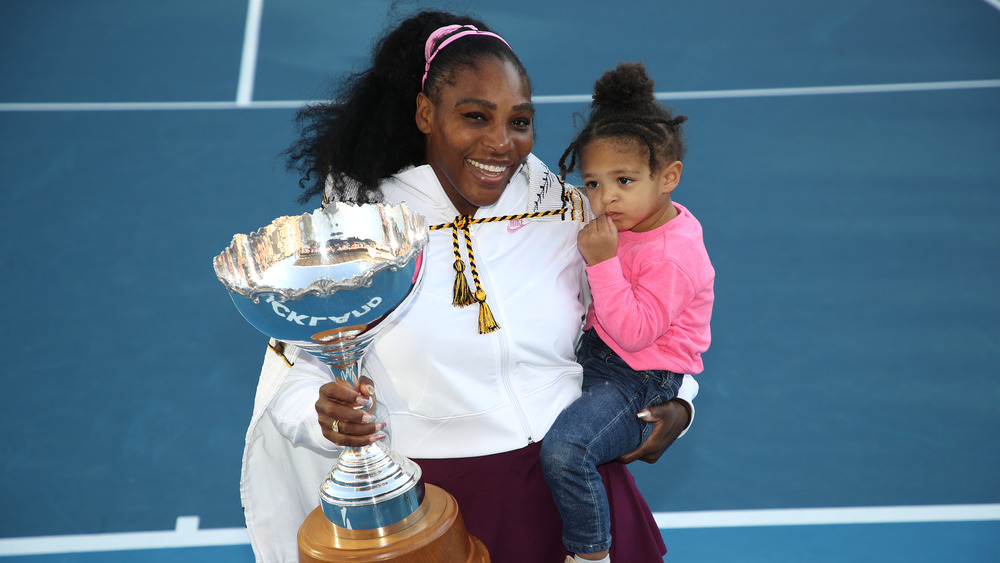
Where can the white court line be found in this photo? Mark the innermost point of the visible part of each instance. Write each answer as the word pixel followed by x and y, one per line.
pixel 827 516
pixel 187 534
pixel 122 106
pixel 692 95
pixel 802 91
pixel 248 62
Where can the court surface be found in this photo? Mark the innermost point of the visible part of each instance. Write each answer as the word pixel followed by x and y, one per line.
pixel 843 160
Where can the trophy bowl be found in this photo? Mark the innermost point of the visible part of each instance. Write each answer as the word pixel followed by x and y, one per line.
pixel 328 282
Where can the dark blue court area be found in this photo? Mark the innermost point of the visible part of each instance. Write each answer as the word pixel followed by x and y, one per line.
pixel 844 159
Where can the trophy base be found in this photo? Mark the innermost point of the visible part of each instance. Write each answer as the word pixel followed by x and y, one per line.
pixel 435 532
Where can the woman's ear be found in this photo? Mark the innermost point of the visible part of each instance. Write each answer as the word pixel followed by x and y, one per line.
pixel 671 176
pixel 425 113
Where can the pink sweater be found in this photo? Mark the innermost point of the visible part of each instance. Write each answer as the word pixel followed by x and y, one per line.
pixel 653 301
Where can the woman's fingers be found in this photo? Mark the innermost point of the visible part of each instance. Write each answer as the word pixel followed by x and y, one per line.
pixel 341 417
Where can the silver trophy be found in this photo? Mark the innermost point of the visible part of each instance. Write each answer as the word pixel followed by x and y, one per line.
pixel 328 282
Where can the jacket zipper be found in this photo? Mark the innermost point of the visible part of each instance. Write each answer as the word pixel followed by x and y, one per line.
pixel 504 349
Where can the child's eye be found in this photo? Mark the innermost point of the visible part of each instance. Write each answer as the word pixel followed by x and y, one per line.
pixel 624 181
pixel 591 185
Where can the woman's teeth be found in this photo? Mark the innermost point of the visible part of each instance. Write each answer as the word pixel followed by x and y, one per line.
pixel 487 167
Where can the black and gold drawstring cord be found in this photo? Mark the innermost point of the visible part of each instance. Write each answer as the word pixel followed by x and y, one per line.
pixel 461 295
pixel 572 202
pixel 279 349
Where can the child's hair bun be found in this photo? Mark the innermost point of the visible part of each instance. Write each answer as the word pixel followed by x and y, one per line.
pixel 626 87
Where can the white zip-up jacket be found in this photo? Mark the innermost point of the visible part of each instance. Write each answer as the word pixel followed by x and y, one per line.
pixel 450 391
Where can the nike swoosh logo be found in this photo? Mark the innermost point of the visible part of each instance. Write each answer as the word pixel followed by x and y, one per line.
pixel 515 225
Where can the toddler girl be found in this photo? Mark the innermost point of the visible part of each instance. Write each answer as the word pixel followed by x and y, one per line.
pixel 652 285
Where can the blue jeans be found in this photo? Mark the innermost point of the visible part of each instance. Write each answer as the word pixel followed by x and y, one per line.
pixel 597 428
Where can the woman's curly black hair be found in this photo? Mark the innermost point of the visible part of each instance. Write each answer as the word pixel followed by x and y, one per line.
pixel 625 109
pixel 368 132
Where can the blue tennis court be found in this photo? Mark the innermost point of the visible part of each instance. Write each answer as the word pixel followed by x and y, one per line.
pixel 843 160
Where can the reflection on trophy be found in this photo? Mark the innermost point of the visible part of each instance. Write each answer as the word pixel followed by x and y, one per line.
pixel 328 282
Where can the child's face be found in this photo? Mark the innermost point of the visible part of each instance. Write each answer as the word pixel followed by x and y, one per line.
pixel 621 186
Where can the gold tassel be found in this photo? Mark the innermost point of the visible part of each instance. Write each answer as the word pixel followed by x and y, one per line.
pixel 461 296
pixel 487 323
pixel 461 292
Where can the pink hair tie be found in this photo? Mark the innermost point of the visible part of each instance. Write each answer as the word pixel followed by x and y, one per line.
pixel 431 48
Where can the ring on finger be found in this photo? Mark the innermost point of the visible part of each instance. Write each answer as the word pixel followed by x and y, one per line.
pixel 335 426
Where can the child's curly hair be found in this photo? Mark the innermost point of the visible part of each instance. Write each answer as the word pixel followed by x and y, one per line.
pixel 625 109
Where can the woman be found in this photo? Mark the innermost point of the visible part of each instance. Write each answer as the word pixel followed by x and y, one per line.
pixel 442 120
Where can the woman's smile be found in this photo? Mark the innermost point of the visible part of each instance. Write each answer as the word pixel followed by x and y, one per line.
pixel 488 169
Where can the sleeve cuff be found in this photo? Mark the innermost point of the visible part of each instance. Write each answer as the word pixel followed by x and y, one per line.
pixel 687 392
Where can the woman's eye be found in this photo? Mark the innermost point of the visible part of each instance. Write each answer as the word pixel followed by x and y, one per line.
pixel 474 115
pixel 521 123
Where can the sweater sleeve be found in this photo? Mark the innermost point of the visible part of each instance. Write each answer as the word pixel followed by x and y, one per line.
pixel 293 408
pixel 636 314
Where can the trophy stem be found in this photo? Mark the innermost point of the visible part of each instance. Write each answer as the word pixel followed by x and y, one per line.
pixel 371 487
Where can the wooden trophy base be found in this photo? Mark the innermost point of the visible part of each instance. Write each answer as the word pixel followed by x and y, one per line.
pixel 434 533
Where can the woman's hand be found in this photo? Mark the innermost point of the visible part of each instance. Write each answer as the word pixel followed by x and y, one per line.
pixel 669 420
pixel 598 241
pixel 341 416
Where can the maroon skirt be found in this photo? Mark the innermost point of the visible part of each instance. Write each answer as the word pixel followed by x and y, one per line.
pixel 506 503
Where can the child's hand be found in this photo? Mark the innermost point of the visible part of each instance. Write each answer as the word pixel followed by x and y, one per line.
pixel 598 241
